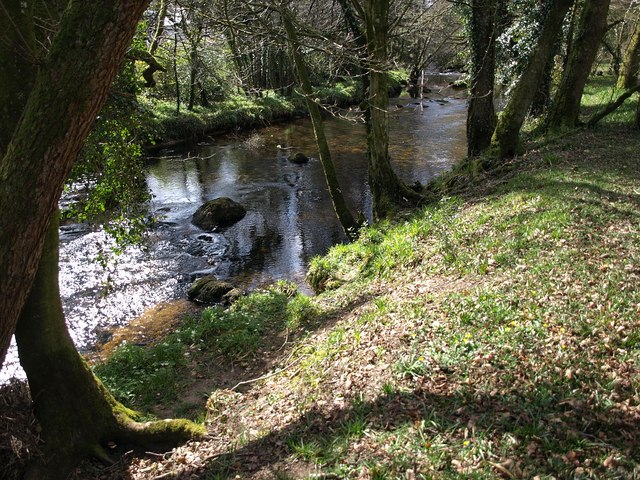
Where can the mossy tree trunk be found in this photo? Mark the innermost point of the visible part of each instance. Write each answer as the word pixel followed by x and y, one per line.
pixel 628 75
pixel 347 220
pixel 77 414
pixel 565 108
pixel 542 97
pixel 506 137
pixel 481 116
pixel 69 89
pixel 387 190
pixel 18 57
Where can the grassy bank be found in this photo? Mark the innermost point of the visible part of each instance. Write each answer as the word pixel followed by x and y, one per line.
pixel 494 334
pixel 240 112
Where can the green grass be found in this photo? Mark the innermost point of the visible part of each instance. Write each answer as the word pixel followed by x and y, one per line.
pixel 491 334
pixel 539 352
pixel 238 112
pixel 144 376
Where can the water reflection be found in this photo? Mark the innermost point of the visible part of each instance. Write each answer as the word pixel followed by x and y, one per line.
pixel 289 220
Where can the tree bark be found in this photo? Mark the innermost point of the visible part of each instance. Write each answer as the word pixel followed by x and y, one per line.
pixel 345 217
pixel 506 137
pixel 542 97
pixel 628 74
pixel 387 190
pixel 70 87
pixel 18 58
pixel 481 116
pixel 159 30
pixel 612 107
pixel 565 107
pixel 77 414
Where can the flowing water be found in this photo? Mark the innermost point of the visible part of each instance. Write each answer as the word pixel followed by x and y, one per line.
pixel 289 220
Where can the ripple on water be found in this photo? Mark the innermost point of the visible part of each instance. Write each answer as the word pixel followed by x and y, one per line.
pixel 289 217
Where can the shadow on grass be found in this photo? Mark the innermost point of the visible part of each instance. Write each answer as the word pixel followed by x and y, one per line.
pixel 547 417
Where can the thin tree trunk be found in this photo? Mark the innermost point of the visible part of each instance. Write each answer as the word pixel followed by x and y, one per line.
pixel 506 137
pixel 387 190
pixel 175 68
pixel 193 77
pixel 628 75
pixel 347 220
pixel 162 14
pixel 481 116
pixel 565 107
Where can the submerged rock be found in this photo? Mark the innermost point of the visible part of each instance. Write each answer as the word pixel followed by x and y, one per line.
pixel 209 290
pixel 219 212
pixel 232 296
pixel 298 158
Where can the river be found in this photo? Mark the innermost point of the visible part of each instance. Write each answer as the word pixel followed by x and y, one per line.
pixel 289 219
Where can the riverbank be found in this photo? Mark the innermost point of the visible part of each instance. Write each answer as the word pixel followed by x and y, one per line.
pixel 237 113
pixel 494 334
pixel 491 335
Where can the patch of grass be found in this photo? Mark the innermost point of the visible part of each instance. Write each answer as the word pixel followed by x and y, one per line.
pixel 530 367
pixel 240 111
pixel 143 376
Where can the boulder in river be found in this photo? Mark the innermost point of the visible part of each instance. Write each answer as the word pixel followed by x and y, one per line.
pixel 219 212
pixel 208 289
pixel 232 296
pixel 298 158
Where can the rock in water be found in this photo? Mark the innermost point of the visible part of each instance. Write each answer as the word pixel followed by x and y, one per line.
pixel 298 158
pixel 219 212
pixel 208 290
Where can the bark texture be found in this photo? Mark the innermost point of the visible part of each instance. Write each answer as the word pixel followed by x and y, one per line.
pixel 387 190
pixel 565 107
pixel 506 137
pixel 347 220
pixel 481 116
pixel 628 75
pixel 70 87
pixel 18 58
pixel 77 414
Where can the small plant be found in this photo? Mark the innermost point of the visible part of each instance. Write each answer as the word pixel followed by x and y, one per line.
pixel 411 366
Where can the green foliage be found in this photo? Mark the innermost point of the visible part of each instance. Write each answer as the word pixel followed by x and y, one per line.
pixel 110 167
pixel 520 25
pixel 237 111
pixel 241 111
pixel 144 375
pixel 140 376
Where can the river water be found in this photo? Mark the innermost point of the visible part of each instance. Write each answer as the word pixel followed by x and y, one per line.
pixel 289 219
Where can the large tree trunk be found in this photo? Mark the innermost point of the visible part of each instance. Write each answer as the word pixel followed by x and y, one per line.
pixel 70 87
pixel 628 76
pixel 347 220
pixel 542 97
pixel 481 116
pixel 387 190
pixel 77 414
pixel 506 137
pixel 565 108
pixel 75 411
pixel 17 56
